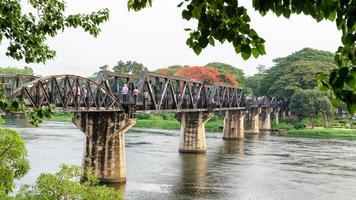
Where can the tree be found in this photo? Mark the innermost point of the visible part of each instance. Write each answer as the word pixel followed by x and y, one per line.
pixel 66 184
pixel 229 72
pixel 13 160
pixel 295 72
pixel 253 83
pixel 28 32
pixel 208 75
pixel 225 20
pixel 218 20
pixel 14 70
pixel 62 185
pixel 171 70
pixel 311 103
pixel 129 67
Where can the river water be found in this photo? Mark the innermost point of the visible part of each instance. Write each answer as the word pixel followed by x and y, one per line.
pixel 261 167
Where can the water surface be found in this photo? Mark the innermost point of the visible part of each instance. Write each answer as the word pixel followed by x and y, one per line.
pixel 261 167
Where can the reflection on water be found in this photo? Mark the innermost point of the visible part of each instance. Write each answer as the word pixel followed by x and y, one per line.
pixel 193 177
pixel 262 166
pixel 233 147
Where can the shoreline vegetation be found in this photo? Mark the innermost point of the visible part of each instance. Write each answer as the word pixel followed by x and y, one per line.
pixel 167 122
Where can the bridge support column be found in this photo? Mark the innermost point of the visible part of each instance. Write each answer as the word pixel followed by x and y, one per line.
pixel 276 114
pixel 252 124
pixel 192 137
pixel 265 118
pixel 105 143
pixel 283 114
pixel 234 125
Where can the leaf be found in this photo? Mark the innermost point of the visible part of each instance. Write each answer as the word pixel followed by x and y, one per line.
pixel 332 15
pixel 180 4
pixel 197 49
pixel 286 13
pixel 211 41
pixel 186 15
pixel 245 55
pixel 255 52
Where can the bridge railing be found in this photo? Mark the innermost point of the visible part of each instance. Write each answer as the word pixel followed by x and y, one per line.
pixel 67 92
pixel 10 82
pixel 145 92
pixel 152 91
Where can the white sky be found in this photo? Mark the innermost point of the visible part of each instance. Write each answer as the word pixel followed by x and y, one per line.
pixel 155 37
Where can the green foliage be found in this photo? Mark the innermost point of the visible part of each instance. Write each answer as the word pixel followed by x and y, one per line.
pixel 28 32
pixel 14 70
pixel 37 114
pixel 224 68
pixel 311 103
pixel 224 20
pixel 170 71
pixel 129 67
pixel 13 161
pixel 282 125
pixel 322 133
pixel 295 72
pixel 157 122
pixel 253 83
pixel 66 184
pixel 61 116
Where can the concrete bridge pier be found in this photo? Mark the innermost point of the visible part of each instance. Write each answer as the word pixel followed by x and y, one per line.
pixel 234 125
pixel 283 114
pixel 105 143
pixel 276 114
pixel 265 118
pixel 192 137
pixel 251 121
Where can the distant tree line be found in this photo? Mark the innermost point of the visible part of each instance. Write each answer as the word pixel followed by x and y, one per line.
pixel 293 79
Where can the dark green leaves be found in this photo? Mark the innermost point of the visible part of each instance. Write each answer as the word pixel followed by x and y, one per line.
pixel 222 21
pixel 137 5
pixel 341 81
pixel 28 33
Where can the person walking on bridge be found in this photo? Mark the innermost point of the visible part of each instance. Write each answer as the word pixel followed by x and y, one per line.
pixel 124 92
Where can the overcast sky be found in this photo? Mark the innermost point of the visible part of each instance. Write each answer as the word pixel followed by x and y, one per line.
pixel 155 37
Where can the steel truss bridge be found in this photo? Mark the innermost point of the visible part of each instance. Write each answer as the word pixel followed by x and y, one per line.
pixel 147 92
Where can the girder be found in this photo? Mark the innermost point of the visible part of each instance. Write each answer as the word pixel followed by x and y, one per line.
pixel 160 93
pixel 147 92
pixel 67 93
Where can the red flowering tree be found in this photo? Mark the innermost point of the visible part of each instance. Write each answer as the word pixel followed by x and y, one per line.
pixel 230 79
pixel 163 71
pixel 205 74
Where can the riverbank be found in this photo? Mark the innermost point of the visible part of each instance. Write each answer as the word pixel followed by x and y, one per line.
pixel 165 124
pixel 210 126
pixel 62 117
pixel 215 124
pixel 323 133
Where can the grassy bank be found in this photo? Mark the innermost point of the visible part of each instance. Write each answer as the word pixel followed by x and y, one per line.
pixel 323 133
pixel 61 117
pixel 210 126
pixel 158 123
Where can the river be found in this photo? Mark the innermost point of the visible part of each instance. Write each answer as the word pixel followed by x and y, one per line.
pixel 260 167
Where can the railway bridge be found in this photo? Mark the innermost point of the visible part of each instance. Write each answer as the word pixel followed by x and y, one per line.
pixel 104 113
